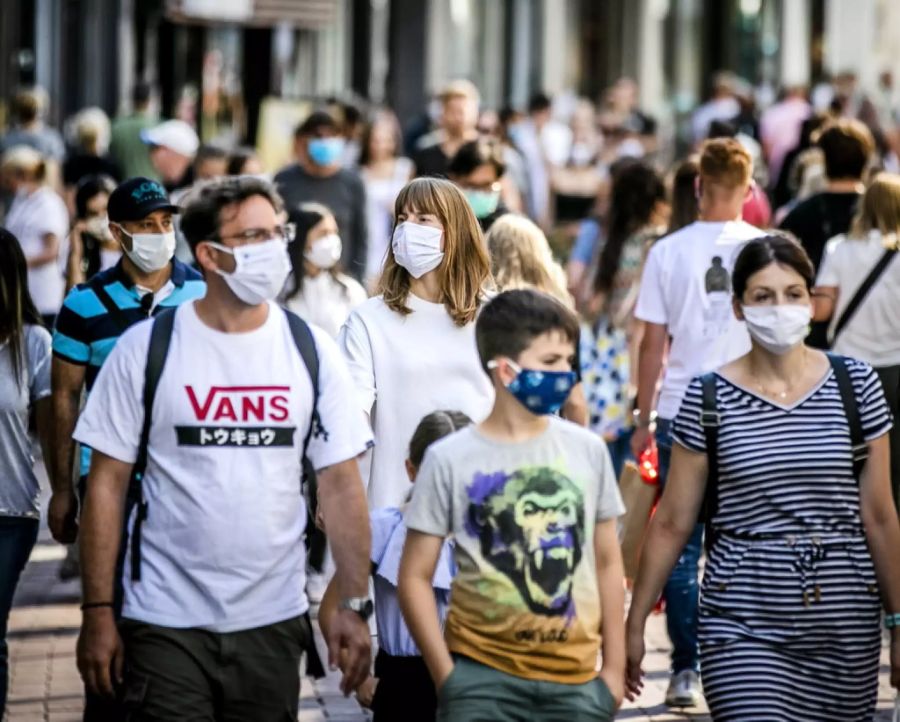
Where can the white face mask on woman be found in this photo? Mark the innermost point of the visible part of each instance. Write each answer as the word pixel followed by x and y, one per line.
pixel 417 248
pixel 260 270
pixel 778 328
pixel 324 252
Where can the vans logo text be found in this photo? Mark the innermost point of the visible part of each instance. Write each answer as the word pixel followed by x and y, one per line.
pixel 241 403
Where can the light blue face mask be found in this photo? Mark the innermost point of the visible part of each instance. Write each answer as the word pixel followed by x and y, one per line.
pixel 483 202
pixel 325 151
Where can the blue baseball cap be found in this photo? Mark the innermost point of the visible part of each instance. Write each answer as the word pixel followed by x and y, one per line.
pixel 137 198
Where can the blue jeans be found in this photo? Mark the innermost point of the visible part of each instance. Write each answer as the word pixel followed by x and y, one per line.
pixel 620 451
pixel 682 591
pixel 17 538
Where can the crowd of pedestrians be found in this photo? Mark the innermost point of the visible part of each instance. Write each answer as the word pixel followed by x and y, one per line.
pixel 417 360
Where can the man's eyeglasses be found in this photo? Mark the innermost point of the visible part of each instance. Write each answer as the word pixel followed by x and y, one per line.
pixel 286 233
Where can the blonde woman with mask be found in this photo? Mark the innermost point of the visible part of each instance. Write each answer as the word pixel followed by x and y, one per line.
pixel 865 322
pixel 411 350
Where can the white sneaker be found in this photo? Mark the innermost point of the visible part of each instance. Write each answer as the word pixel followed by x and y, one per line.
pixel 684 689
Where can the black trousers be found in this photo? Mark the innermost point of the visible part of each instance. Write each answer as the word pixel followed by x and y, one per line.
pixel 192 674
pixel 890 381
pixel 405 690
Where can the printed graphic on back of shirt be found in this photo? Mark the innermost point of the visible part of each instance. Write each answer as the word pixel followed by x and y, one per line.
pixel 238 416
pixel 529 526
pixel 718 313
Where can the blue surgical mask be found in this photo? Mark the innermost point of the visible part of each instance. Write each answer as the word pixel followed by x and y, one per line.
pixel 541 392
pixel 325 151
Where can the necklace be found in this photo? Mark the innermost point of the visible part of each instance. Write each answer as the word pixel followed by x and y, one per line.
pixel 788 389
pixel 777 394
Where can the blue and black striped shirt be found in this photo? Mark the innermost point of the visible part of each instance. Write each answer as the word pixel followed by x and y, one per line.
pixel 96 313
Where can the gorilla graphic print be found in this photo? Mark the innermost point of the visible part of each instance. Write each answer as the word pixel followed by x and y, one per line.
pixel 529 526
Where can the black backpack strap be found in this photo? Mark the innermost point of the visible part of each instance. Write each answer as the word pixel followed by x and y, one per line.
pixel 851 410
pixel 160 338
pixel 306 345
pixel 862 292
pixel 710 419
pixel 112 308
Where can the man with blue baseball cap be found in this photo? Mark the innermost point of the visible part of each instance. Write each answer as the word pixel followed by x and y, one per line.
pixel 146 280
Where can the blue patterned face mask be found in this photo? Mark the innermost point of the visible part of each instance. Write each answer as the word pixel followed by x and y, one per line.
pixel 541 392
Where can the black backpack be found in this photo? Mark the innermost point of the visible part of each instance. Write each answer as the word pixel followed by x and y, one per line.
pixel 710 419
pixel 160 338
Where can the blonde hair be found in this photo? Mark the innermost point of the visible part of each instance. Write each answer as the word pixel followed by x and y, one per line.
pixel 879 208
pixel 465 271
pixel 24 161
pixel 521 258
pixel 90 129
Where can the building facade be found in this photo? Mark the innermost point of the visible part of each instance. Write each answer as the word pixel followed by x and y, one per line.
pixel 215 61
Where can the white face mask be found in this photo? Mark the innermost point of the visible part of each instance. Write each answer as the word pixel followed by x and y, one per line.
pixel 150 251
pixel 778 328
pixel 324 252
pixel 417 248
pixel 98 226
pixel 260 270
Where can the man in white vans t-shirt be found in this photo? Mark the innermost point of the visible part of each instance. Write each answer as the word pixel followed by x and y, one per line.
pixel 686 296
pixel 216 622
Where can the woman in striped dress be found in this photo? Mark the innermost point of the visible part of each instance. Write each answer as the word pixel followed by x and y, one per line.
pixel 804 554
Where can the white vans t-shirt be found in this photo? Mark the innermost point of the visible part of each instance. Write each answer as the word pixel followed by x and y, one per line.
pixel 873 332
pixel 405 367
pixel 222 545
pixel 686 286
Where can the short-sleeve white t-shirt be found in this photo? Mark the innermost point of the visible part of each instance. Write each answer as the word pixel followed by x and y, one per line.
pixel 686 286
pixel 222 545
pixel 873 332
pixel 30 218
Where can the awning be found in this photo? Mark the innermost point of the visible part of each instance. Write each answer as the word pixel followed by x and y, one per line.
pixel 300 13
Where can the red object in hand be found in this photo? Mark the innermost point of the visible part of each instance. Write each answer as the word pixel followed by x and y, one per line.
pixel 648 465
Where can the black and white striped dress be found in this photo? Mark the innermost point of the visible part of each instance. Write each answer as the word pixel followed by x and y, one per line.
pixel 789 622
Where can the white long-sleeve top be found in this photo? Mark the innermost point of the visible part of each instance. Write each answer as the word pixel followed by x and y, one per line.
pixel 404 368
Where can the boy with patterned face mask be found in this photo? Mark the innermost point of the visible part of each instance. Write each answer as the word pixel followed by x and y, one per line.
pixel 531 503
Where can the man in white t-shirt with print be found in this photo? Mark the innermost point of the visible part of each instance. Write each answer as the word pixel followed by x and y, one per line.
pixel 216 623
pixel 685 300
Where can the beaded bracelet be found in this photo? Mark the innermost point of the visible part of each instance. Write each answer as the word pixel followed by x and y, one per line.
pixel 891 621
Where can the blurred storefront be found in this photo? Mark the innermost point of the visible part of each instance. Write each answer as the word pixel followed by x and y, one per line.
pixel 215 62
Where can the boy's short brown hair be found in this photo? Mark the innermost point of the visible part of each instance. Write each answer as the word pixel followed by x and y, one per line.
pixel 725 162
pixel 511 320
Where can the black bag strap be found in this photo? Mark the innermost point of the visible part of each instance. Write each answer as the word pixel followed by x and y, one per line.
pixel 862 292
pixel 851 410
pixel 112 308
pixel 306 345
pixel 710 419
pixel 160 339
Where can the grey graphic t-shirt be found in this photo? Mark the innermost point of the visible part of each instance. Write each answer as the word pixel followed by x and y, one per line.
pixel 525 599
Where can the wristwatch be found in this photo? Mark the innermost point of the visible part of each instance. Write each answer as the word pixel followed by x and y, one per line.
pixel 361 605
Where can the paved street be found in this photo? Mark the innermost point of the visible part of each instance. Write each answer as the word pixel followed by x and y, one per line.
pixel 45 685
